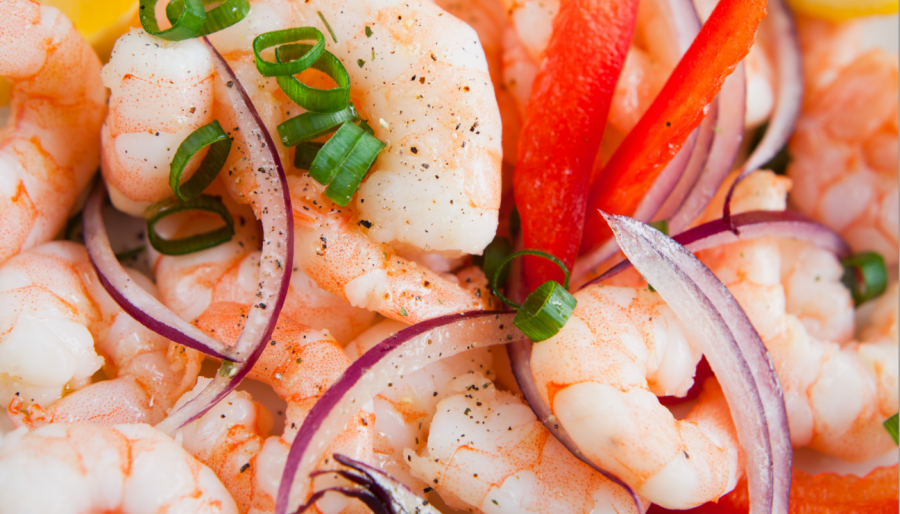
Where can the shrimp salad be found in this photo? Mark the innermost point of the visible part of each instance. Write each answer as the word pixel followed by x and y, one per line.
pixel 424 256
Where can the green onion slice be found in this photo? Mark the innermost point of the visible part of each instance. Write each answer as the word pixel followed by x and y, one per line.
pixel 280 37
pixel 865 276
pixel 211 135
pixel 494 255
pixel 343 161
pixel 311 125
pixel 194 243
pixel 547 309
pixel 187 19
pixel 224 15
pixel 305 155
pixel 890 425
pixel 310 98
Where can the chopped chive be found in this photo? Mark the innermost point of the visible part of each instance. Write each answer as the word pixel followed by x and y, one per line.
pixel 305 154
pixel 193 243
pixel 890 425
pixel 344 160
pixel 186 25
pixel 220 17
pixel 210 135
pixel 327 26
pixel 299 62
pixel 313 99
pixel 368 31
pixel 403 312
pixel 310 125
pixel 865 276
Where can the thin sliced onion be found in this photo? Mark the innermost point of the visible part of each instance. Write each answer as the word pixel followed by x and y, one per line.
pixel 789 95
pixel 733 349
pixel 520 359
pixel 272 205
pixel 138 303
pixel 403 353
pixel 751 225
pixel 729 133
pixel 381 492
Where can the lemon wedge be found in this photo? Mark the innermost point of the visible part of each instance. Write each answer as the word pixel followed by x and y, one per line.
pixel 101 22
pixel 841 10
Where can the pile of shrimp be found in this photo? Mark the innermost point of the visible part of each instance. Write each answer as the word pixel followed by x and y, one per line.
pixel 447 84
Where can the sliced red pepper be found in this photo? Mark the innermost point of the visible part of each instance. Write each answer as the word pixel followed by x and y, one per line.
pixel 566 118
pixel 825 493
pixel 722 43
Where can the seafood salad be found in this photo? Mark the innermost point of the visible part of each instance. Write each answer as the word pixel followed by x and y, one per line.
pixel 445 256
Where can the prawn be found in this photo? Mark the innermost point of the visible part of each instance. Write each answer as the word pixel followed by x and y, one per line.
pixel 96 468
pixel 60 317
pixel 49 147
pixel 845 154
pixel 299 363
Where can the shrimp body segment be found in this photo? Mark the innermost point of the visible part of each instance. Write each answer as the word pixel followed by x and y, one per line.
pixel 49 149
pixel 131 469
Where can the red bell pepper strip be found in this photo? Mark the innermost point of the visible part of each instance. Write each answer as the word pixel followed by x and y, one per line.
pixel 825 493
pixel 722 43
pixel 566 118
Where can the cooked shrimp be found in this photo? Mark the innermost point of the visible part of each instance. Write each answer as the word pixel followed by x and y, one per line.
pixel 160 92
pixel 837 395
pixel 190 284
pixel 49 148
pixel 299 364
pixel 93 468
pixel 58 316
pixel 845 155
pixel 487 451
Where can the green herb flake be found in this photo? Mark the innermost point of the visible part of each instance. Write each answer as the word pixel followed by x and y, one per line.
pixel 891 426
pixel 360 62
pixel 467 411
pixel 403 312
pixel 369 31
pixel 327 26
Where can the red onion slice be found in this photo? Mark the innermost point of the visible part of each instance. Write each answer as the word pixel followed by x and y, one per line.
pixel 789 96
pixel 733 349
pixel 138 303
pixel 403 353
pixel 751 225
pixel 729 133
pixel 381 492
pixel 520 359
pixel 275 263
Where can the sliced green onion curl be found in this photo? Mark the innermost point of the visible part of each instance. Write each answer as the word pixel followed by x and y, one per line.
pixel 305 155
pixel 547 309
pixel 344 160
pixel 891 425
pixel 310 98
pixel 279 37
pixel 494 255
pixel 185 25
pixel 194 243
pixel 224 15
pixel 311 125
pixel 865 276
pixel 210 135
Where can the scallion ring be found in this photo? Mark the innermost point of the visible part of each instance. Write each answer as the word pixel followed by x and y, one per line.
pixel 310 125
pixel 186 25
pixel 222 16
pixel 305 154
pixel 310 98
pixel 865 276
pixel 547 309
pixel 343 161
pixel 210 135
pixel 280 37
pixel 891 425
pixel 493 256
pixel 193 243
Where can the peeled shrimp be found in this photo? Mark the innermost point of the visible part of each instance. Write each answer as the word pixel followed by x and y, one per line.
pixel 160 92
pixel 49 148
pixel 837 391
pixel 56 317
pixel 845 155
pixel 299 364
pixel 81 469
pixel 487 451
